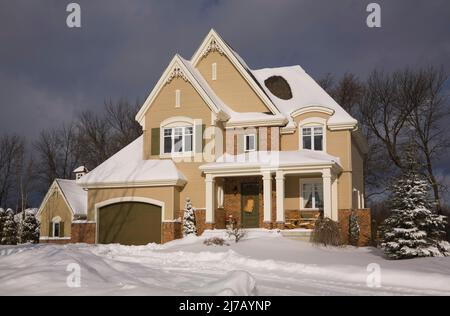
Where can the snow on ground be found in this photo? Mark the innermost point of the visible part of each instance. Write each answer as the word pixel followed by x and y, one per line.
pixel 265 263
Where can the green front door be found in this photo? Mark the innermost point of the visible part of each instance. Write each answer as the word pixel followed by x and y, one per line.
pixel 250 205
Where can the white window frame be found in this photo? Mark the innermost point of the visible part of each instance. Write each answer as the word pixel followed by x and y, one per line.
pixel 311 123
pixel 214 71
pixel 56 220
pixel 245 142
pixel 183 140
pixel 309 181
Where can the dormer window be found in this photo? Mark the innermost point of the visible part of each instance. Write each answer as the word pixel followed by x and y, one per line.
pixel 178 139
pixel 312 137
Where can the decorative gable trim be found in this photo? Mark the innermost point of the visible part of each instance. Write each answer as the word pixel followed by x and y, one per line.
pixel 211 47
pixel 213 42
pixel 177 69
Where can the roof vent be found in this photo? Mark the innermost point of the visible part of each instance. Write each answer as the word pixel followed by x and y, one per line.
pixel 279 87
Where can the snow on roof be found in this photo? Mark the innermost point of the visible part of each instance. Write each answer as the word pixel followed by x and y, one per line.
pixel 267 159
pixel 128 167
pixel 75 196
pixel 306 92
pixel 80 169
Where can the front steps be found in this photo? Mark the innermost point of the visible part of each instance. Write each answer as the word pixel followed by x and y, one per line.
pixel 297 234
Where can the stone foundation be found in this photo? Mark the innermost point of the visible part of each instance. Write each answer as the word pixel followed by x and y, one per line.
pixel 364 221
pixel 55 241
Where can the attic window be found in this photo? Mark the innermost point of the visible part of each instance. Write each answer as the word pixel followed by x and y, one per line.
pixel 279 87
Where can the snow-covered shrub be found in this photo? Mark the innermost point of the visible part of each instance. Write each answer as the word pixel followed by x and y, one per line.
pixel 234 230
pixel 29 229
pixel 326 232
pixel 413 229
pixel 189 227
pixel 9 236
pixel 353 229
pixel 217 241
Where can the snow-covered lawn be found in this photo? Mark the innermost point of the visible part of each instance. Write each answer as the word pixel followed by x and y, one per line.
pixel 264 264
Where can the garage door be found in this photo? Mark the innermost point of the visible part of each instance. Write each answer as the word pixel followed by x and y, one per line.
pixel 129 223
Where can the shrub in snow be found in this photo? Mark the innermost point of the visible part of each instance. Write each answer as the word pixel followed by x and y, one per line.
pixel 9 236
pixel 216 241
pixel 412 229
pixel 353 229
pixel 234 230
pixel 29 229
pixel 326 232
pixel 189 227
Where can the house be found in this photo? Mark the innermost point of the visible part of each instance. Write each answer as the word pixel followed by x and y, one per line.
pixel 264 146
pixel 64 205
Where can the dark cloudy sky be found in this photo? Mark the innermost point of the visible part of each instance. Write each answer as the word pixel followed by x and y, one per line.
pixel 49 72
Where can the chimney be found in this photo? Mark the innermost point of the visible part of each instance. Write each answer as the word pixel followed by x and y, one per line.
pixel 79 172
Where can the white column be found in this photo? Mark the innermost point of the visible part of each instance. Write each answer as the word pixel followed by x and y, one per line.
pixel 280 196
pixel 267 186
pixel 209 181
pixel 326 177
pixel 334 198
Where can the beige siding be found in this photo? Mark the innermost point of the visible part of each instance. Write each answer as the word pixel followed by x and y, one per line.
pixel 230 86
pixel 55 206
pixel 163 194
pixel 357 173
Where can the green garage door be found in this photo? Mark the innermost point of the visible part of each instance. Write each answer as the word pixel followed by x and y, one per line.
pixel 129 223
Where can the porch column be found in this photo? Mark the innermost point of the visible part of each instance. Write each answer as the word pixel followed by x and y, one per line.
pixel 267 186
pixel 209 181
pixel 327 202
pixel 334 198
pixel 280 196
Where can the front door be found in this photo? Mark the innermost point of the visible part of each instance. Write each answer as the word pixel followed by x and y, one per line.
pixel 250 205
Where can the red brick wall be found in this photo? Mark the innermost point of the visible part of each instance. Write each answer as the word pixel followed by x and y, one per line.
pixel 83 233
pixel 364 221
pixel 171 231
pixel 54 241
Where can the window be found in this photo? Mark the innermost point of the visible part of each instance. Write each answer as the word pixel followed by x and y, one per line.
pixel 312 137
pixel 177 98
pixel 312 195
pixel 56 229
pixel 214 71
pixel 250 142
pixel 178 139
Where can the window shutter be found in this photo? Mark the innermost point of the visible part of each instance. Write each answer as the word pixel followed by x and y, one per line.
pixel 50 229
pixel 257 141
pixel 203 134
pixel 155 138
pixel 199 140
pixel 61 229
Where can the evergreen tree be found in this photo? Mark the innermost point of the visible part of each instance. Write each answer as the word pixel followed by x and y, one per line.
pixel 189 227
pixel 412 229
pixel 353 229
pixel 2 222
pixel 29 231
pixel 9 229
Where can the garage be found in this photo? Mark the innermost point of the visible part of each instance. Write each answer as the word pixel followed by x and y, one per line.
pixel 129 223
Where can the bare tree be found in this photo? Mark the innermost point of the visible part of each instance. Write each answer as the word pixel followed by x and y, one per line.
pixel 11 149
pixel 428 119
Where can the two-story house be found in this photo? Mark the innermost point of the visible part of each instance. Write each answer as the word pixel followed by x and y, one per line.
pixel 262 145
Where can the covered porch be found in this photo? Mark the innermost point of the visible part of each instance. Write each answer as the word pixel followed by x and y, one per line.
pixel 272 190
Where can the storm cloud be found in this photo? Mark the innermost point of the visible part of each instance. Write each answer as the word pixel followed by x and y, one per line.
pixel 49 72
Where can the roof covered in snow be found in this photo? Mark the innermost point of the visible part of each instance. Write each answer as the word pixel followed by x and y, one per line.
pixel 75 196
pixel 272 159
pixel 305 93
pixel 128 167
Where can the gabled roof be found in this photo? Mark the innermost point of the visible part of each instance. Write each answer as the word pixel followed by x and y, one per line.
pixel 213 38
pixel 179 67
pixel 128 168
pixel 74 196
pixel 307 94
